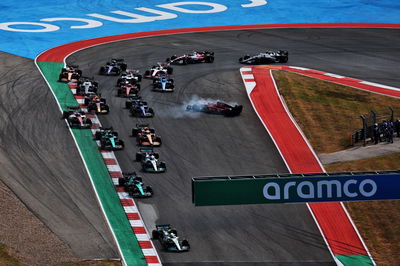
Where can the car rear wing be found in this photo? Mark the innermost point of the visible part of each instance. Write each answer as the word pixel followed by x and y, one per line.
pixel 163 226
pixel 144 150
pixel 142 125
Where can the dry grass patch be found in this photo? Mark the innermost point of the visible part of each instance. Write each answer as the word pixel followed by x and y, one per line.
pixel 377 221
pixel 326 112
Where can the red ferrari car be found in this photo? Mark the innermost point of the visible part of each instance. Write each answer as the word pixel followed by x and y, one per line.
pixel 218 107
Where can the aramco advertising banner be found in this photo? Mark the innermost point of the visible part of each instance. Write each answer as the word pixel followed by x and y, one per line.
pixel 226 191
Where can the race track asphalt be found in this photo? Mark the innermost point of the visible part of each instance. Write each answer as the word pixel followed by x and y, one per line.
pixel 40 164
pixel 199 145
pixel 46 173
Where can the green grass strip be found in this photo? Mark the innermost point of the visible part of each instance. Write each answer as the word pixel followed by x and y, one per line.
pixel 354 260
pixel 102 182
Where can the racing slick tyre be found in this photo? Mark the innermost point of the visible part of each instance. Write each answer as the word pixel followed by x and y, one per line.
pixel 97 136
pixel 185 243
pixel 151 111
pixel 209 59
pixel 128 105
pixel 149 189
pixel 102 70
pixel 155 234
pixel 123 66
pixel 138 157
pixel 170 70
pixel 121 181
pixel 283 59
pixel 121 143
pixel 163 165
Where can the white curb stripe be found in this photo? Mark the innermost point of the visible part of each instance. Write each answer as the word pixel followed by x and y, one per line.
pixel 334 75
pixel 114 168
pixel 130 209
pixel 299 68
pixel 149 252
pixel 108 155
pixel 247 76
pixel 136 223
pixel 142 237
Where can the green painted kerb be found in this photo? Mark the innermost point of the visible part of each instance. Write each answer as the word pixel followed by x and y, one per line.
pixel 355 260
pixel 131 251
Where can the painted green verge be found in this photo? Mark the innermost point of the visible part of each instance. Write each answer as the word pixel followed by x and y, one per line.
pixel 102 182
pixel 355 260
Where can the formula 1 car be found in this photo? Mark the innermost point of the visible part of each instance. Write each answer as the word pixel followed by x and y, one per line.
pixel 70 73
pixel 77 119
pixel 128 90
pixel 146 136
pixel 139 108
pixel 133 184
pixel 169 239
pixel 157 71
pixel 218 107
pixel 95 103
pixel 86 85
pixel 192 58
pixel 163 84
pixel 113 68
pixel 130 76
pixel 150 161
pixel 268 57
pixel 109 139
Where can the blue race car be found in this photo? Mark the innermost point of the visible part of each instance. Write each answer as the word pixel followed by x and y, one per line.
pixel 163 84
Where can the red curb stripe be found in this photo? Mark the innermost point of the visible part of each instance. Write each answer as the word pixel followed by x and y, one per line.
pixel 57 54
pixel 90 116
pixel 79 97
pixel 127 202
pixel 109 161
pixel 249 80
pixel 247 72
pixel 95 126
pixel 145 244
pixel 133 216
pixel 151 259
pixel 115 174
pixel 331 217
pixel 139 230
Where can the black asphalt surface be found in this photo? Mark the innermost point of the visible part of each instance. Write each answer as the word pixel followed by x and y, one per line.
pixel 214 145
pixel 41 165
pixel 46 173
